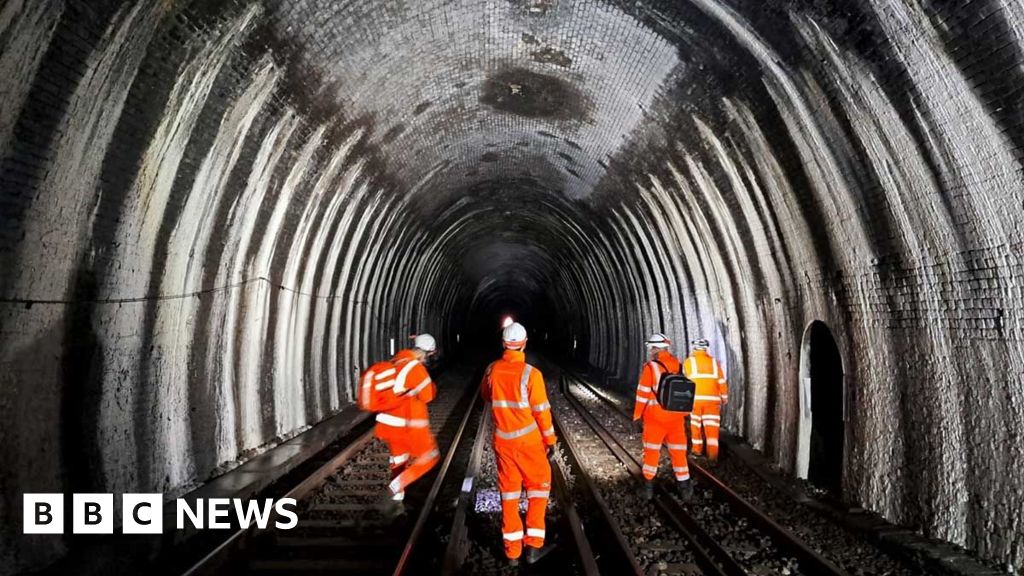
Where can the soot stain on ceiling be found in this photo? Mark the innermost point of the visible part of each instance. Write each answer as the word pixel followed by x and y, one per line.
pixel 533 95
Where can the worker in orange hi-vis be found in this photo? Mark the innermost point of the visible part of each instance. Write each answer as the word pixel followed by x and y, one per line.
pixel 660 425
pixel 523 437
pixel 712 393
pixel 406 427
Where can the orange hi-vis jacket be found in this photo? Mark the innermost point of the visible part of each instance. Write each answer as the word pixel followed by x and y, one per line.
pixel 705 372
pixel 519 402
pixel 647 389
pixel 413 384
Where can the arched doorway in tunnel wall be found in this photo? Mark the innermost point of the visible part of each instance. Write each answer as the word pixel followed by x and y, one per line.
pixel 822 424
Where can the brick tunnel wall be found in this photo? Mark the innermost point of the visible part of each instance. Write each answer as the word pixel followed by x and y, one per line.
pixel 214 212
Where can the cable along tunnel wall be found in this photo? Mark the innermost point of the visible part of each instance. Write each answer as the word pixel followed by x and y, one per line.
pixel 215 212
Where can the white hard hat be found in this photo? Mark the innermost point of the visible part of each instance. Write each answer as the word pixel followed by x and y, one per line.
pixel 700 344
pixel 658 340
pixel 514 335
pixel 425 342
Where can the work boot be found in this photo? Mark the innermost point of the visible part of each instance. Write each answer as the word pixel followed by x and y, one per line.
pixel 513 562
pixel 647 490
pixel 391 509
pixel 535 554
pixel 685 488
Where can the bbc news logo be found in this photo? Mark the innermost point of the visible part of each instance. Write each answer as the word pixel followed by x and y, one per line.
pixel 143 513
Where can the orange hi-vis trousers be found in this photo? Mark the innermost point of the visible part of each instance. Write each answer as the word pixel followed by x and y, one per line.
pixel 706 415
pixel 522 464
pixel 413 453
pixel 668 427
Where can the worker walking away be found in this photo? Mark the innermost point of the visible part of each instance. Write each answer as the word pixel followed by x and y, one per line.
pixel 398 390
pixel 523 437
pixel 659 424
pixel 712 393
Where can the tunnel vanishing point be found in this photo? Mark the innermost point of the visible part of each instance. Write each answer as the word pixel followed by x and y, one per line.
pixel 214 214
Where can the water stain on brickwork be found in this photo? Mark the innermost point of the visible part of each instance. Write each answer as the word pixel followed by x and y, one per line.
pixel 525 93
pixel 394 132
pixel 549 55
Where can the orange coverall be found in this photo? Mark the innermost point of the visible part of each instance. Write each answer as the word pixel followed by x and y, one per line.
pixel 522 430
pixel 406 428
pixel 660 425
pixel 712 390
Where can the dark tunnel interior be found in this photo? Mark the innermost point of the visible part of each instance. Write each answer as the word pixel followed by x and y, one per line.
pixel 214 214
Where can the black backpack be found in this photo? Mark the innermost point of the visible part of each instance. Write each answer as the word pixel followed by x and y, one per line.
pixel 675 391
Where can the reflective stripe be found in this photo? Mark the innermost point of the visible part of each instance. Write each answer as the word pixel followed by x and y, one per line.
pixel 513 536
pixel 396 485
pixel 511 495
pixel 712 441
pixel 712 423
pixel 398 497
pixel 429 456
pixel 515 433
pixel 426 382
pixel 721 380
pixel 419 423
pixel 385 385
pixel 649 468
pixel 534 532
pixel 712 417
pixel 708 398
pixel 676 446
pixel 693 373
pixel 390 420
pixel 403 374
pixel 542 407
pixel 549 431
pixel 680 469
pixel 641 399
pixel 524 393
pixel 365 389
pixel 680 476
pixel 385 374
pixel 538 493
pixel 400 459
pixel 643 389
pixel 656 372
pixel 509 404
pixel 652 446
pixel 697 441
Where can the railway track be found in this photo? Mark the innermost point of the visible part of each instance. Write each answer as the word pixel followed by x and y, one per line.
pixel 729 534
pixel 596 518
pixel 474 545
pixel 341 529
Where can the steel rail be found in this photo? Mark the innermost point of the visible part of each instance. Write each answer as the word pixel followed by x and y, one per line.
pixel 625 562
pixel 588 562
pixel 212 559
pixel 809 559
pixel 458 544
pixel 709 554
pixel 428 505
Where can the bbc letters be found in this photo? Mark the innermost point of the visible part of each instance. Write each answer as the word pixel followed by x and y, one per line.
pixel 45 513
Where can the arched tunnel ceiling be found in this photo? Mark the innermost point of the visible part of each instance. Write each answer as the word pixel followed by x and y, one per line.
pixel 461 95
pixel 214 213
